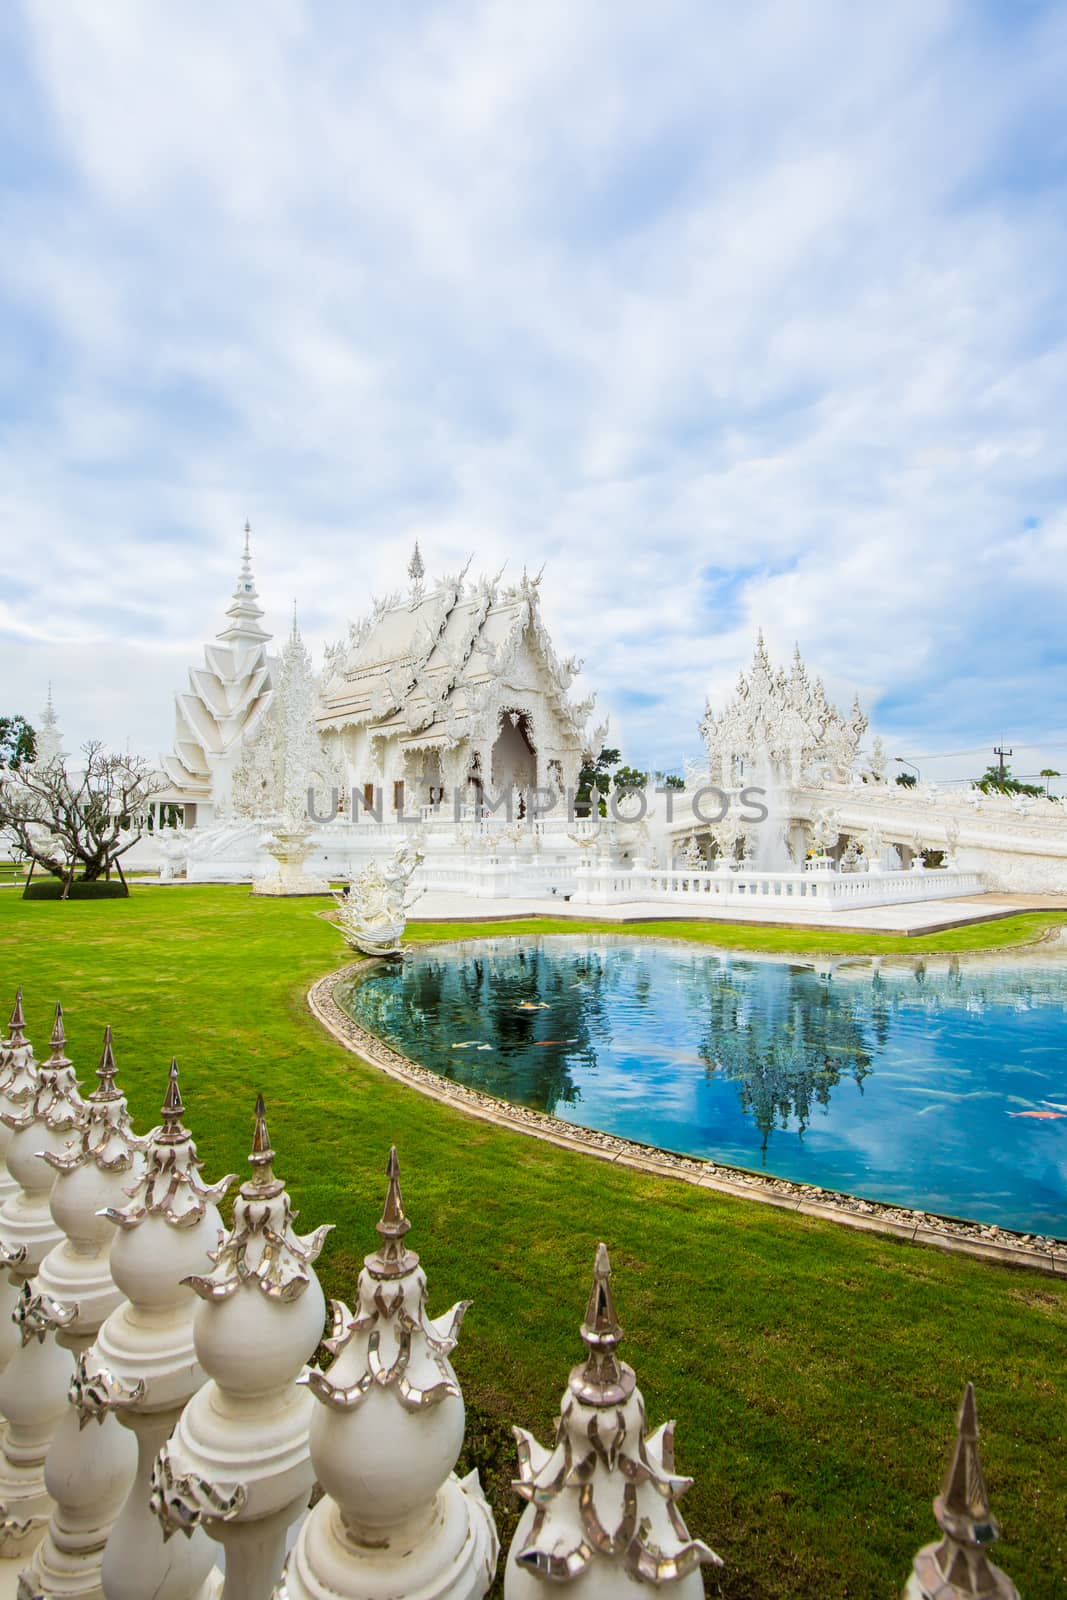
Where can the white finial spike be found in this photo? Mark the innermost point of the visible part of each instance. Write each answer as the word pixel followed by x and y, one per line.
pixel 416 572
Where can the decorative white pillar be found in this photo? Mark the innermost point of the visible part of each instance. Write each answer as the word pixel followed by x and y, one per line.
pixel 602 1510
pixel 33 1389
pixel 394 1520
pixel 143 1365
pixel 957 1567
pixel 18 1080
pixel 88 1471
pixel 238 1463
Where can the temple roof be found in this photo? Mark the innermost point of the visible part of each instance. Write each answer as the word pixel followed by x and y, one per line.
pixel 785 717
pixel 423 668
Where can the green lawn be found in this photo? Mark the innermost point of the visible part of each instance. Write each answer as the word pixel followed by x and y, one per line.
pixel 814 1372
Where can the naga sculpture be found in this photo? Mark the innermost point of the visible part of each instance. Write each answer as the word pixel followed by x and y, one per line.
pixel 373 913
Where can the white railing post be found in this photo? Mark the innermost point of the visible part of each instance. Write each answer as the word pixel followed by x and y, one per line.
pixel 394 1519
pixel 33 1389
pixel 143 1365
pixel 238 1463
pixel 88 1471
pixel 602 1504
pixel 957 1566
pixel 18 1079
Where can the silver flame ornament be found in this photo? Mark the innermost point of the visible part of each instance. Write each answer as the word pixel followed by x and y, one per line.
pixel 603 1502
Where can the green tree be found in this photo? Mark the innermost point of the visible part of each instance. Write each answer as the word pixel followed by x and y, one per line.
pixel 1047 773
pixel 993 781
pixel 18 742
pixel 596 775
pixel 907 780
pixel 629 778
pixel 79 822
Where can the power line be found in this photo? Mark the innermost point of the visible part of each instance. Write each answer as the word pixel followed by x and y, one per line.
pixel 980 749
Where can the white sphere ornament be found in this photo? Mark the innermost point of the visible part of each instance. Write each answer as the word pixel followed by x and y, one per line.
pixel 143 1366
pixel 89 1470
pixel 602 1516
pixel 33 1388
pixel 238 1463
pixel 395 1520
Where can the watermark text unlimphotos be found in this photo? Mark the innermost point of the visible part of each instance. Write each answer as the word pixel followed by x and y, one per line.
pixel 709 805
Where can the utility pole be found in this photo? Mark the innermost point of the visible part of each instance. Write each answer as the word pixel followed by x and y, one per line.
pixel 998 750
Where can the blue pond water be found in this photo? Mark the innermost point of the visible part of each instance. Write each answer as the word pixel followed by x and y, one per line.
pixel 913 1083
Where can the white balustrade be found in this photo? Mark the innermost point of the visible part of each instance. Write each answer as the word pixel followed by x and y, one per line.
pixel 143 1366
pixel 89 1469
pixel 238 1464
pixel 394 1520
pixel 33 1388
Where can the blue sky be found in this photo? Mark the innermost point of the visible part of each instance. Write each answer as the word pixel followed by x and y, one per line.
pixel 732 316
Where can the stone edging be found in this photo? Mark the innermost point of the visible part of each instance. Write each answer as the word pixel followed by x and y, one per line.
pixel 869 1216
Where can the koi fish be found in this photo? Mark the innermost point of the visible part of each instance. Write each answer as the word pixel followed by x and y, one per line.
pixel 1054 1103
pixel 542 1042
pixel 532 1005
pixel 1044 1116
pixel 471 1044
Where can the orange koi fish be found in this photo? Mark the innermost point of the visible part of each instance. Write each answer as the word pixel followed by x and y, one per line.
pixel 1043 1116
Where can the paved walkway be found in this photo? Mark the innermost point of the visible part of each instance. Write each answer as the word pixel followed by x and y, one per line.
pixel 911 918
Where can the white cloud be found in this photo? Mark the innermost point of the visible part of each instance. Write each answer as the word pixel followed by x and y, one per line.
pixel 638 292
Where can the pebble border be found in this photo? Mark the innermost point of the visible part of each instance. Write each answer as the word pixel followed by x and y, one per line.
pixel 869 1216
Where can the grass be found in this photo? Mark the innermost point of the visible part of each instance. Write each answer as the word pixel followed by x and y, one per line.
pixel 1002 934
pixel 814 1372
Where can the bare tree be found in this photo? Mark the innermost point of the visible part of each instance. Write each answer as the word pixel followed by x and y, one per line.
pixel 77 821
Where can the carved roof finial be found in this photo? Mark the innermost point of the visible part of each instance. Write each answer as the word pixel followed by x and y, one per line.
pixel 391 1260
pixel 603 1380
pixel 106 1071
pixel 174 1132
pixel 957 1567
pixel 58 1041
pixel 17 1025
pixel 262 1157
pixel 416 572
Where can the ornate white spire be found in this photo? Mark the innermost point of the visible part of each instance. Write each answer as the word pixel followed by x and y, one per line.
pixel 144 1365
pixel 38 1372
pixel 384 1439
pixel 89 1469
pixel 243 610
pixel 416 572
pixel 602 1504
pixel 49 738
pixel 226 700
pixel 261 1318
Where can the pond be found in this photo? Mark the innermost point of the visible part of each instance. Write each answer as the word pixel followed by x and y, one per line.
pixel 940 1084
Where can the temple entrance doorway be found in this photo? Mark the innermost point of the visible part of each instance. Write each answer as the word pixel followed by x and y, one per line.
pixel 514 761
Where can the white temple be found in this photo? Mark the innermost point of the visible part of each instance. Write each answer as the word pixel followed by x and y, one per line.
pixel 447 713
pixel 455 688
